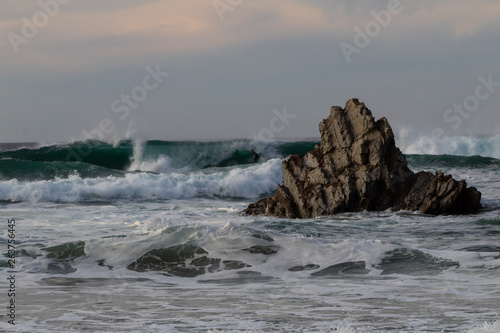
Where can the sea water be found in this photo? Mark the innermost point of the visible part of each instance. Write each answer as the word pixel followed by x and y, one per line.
pixel 147 237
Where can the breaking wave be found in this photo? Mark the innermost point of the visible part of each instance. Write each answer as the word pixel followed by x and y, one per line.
pixel 411 142
pixel 162 170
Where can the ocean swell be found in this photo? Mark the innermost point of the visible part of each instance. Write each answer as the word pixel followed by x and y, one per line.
pixel 162 170
pixel 250 182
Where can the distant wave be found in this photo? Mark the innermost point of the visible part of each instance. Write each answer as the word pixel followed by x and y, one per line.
pixel 412 142
pixel 162 170
pixel 60 160
pixel 93 159
pixel 167 156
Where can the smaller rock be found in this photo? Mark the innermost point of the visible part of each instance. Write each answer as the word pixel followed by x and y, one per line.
pixel 355 267
pixel 259 249
pixel 307 267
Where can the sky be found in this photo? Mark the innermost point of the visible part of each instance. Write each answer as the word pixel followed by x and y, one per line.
pixel 223 69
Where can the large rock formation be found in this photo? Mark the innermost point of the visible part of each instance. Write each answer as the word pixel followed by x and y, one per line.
pixel 358 167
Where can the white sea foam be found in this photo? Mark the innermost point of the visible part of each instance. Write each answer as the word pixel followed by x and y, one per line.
pixel 250 182
pixel 487 328
pixel 271 298
pixel 413 142
pixel 162 164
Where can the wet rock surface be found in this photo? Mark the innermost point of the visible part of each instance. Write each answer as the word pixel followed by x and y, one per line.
pixel 190 260
pixel 356 267
pixel 357 167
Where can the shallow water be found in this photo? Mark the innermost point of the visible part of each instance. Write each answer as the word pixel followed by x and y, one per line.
pixel 103 254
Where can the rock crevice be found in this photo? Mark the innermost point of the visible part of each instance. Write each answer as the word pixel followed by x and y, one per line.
pixel 358 167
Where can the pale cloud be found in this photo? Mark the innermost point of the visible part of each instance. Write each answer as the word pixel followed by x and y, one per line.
pixel 163 27
pixel 461 19
pixel 82 37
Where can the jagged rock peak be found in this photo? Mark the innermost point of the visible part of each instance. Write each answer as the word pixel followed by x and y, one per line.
pixel 358 167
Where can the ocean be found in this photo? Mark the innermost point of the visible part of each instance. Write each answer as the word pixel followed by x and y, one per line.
pixel 146 236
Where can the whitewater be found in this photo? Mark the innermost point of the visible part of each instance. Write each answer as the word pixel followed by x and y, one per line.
pixel 147 236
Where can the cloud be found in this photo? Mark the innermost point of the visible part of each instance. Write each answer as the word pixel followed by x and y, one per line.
pixel 460 19
pixel 79 36
pixel 84 37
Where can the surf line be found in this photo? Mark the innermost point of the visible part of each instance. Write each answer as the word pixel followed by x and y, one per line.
pixel 11 254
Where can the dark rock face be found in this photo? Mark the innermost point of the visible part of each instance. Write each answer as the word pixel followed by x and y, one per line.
pixel 185 260
pixel 358 167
